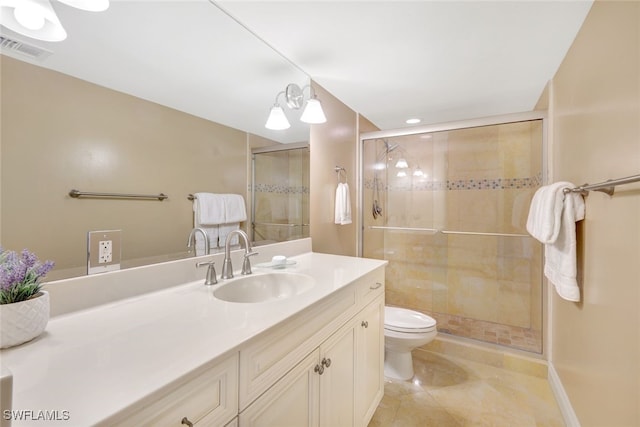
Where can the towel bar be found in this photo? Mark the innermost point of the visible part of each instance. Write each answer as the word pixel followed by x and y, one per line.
pixel 608 187
pixel 435 231
pixel 77 194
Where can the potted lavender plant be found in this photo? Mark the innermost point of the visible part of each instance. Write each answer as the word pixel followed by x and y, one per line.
pixel 24 306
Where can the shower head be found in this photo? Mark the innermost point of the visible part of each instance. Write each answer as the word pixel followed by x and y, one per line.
pixel 390 147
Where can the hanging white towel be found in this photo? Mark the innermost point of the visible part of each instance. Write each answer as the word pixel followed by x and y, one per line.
pixel 552 220
pixel 209 209
pixel 212 234
pixel 343 204
pixel 545 212
pixel 234 208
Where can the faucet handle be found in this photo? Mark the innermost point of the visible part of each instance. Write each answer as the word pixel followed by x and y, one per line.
pixel 211 278
pixel 246 265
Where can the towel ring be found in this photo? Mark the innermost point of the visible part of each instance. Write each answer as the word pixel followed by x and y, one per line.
pixel 339 170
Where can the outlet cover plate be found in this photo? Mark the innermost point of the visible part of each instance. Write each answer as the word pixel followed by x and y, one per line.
pixel 99 259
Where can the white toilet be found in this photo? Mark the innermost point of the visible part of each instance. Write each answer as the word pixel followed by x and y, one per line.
pixel 404 330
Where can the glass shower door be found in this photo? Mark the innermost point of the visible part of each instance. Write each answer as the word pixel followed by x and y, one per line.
pixel 448 209
pixel 280 194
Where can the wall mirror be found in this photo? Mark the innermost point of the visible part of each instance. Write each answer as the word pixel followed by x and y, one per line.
pixel 146 97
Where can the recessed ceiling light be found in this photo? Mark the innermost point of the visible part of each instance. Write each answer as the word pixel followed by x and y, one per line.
pixel 412 121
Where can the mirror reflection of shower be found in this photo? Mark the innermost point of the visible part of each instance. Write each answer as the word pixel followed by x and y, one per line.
pixel 280 193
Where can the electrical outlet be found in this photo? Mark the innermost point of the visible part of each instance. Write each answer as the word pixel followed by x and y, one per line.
pixel 105 251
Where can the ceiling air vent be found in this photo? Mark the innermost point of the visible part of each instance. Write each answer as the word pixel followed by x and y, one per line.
pixel 9 46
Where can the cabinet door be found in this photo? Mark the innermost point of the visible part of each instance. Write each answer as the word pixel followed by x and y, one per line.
pixel 337 356
pixel 291 402
pixel 208 398
pixel 369 361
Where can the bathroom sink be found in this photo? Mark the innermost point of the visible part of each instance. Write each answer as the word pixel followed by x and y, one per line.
pixel 264 287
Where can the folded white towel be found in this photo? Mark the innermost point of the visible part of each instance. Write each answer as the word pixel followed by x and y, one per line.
pixel 557 230
pixel 209 209
pixel 343 204
pixel 225 229
pixel 234 208
pixel 545 211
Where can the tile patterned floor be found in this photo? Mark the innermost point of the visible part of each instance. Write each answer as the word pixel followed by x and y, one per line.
pixel 453 392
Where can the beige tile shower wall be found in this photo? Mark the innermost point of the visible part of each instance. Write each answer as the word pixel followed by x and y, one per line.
pixel 595 106
pixel 60 133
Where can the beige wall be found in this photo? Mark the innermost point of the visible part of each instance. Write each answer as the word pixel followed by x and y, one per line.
pixel 594 107
pixel 332 144
pixel 60 133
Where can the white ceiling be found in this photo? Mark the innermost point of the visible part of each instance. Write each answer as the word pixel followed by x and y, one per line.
pixel 438 61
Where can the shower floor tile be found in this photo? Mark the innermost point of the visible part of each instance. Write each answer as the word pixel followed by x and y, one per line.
pixel 512 336
pixel 449 391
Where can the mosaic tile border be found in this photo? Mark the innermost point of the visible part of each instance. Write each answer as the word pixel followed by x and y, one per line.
pixel 463 184
pixel 279 189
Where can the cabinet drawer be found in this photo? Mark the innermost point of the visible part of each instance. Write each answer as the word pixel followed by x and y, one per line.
pixel 370 286
pixel 271 355
pixel 208 398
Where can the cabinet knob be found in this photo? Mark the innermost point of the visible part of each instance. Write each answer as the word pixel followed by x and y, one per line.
pixel 319 369
pixel 326 362
pixel 364 324
pixel 186 421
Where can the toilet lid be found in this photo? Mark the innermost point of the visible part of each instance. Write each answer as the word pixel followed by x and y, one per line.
pixel 405 320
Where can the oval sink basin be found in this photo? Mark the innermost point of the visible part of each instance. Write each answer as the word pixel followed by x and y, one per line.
pixel 264 287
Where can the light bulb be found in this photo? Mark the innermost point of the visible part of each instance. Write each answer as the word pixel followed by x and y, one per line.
pixel 313 113
pixel 277 119
pixel 418 172
pixel 29 16
pixel 402 164
pixel 401 174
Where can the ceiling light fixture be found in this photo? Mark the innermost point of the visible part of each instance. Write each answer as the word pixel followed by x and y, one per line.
pixel 402 164
pixel 88 5
pixel 412 121
pixel 38 20
pixel 294 96
pixel 32 18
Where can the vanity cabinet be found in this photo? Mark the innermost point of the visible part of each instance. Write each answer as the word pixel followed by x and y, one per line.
pixel 338 381
pixel 207 398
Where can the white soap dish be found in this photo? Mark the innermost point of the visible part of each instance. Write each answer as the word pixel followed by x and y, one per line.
pixel 271 264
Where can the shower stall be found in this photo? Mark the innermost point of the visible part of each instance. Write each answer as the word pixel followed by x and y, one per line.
pixel 447 207
pixel 280 193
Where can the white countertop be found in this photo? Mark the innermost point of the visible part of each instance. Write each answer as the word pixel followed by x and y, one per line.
pixel 96 362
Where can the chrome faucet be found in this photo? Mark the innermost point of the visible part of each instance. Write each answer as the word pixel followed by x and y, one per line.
pixel 211 273
pixel 227 268
pixel 192 238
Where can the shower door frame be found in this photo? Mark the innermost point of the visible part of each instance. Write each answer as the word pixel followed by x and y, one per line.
pixel 448 126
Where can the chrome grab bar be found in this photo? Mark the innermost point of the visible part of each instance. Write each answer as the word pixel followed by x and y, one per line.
pixel 435 230
pixel 274 224
pixel 431 230
pixel 77 193
pixel 604 187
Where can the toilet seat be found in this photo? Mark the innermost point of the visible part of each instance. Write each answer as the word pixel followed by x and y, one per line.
pixel 408 321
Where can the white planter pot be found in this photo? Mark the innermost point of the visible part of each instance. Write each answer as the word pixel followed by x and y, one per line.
pixel 23 321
